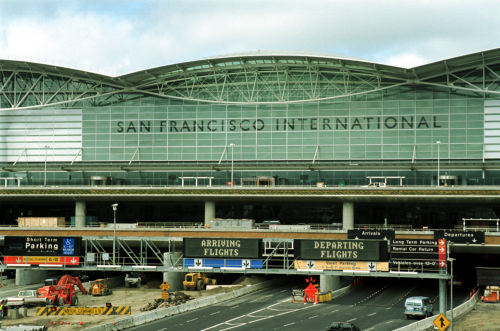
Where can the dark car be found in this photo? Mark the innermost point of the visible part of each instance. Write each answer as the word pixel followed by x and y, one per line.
pixel 344 326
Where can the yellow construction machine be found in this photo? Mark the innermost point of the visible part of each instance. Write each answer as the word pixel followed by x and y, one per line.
pixel 197 280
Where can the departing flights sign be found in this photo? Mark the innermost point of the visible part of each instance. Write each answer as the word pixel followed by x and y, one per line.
pixel 341 250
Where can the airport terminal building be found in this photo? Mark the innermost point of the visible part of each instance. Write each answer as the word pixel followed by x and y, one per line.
pixel 254 119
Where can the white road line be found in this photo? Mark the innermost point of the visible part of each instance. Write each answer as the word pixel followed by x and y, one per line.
pixel 234 307
pixel 371 314
pixel 256 320
pixel 336 310
pixel 215 312
pixel 289 324
pixel 388 322
pixel 162 329
pixel 352 319
pixel 194 319
pixel 313 316
pixel 369 329
pixel 283 291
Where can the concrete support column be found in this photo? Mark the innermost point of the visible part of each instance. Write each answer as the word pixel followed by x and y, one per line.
pixel 80 213
pixel 209 211
pixel 442 296
pixel 173 278
pixel 328 283
pixel 28 277
pixel 348 215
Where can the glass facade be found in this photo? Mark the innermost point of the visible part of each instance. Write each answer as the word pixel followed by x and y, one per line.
pixel 391 128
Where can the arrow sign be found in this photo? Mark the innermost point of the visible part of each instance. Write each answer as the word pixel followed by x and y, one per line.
pixel 198 262
pixel 441 322
pixel 372 266
pixel 245 264
pixel 310 264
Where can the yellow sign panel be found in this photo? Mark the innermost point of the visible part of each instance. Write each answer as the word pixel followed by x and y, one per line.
pixel 164 286
pixel 441 322
pixel 342 265
pixel 41 259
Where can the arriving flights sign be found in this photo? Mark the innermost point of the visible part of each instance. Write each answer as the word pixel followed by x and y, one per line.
pixel 231 248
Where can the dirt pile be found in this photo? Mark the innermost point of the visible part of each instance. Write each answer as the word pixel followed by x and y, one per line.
pixel 176 298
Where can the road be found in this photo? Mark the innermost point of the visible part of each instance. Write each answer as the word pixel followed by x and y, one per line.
pixel 375 305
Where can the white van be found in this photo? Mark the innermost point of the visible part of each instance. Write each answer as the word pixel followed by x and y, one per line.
pixel 418 306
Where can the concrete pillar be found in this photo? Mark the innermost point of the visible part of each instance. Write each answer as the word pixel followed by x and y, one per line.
pixel 442 296
pixel 80 213
pixel 209 211
pixel 28 277
pixel 328 283
pixel 172 277
pixel 348 215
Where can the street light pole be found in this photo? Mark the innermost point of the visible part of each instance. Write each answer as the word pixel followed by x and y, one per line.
pixel 232 163
pixel 438 143
pixel 45 168
pixel 115 207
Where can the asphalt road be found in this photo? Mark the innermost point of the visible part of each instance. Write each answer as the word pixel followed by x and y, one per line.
pixel 375 305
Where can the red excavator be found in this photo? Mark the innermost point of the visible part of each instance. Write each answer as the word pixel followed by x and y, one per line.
pixel 63 292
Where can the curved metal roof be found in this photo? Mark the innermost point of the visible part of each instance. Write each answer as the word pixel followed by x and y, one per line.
pixel 262 77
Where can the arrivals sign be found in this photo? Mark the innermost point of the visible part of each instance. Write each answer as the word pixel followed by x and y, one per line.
pixel 381 234
pixel 341 250
pixel 221 248
pixel 42 246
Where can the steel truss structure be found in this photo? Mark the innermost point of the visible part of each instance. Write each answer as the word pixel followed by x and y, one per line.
pixel 147 254
pixel 259 78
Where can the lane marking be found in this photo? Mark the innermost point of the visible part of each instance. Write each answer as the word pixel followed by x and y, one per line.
pixel 259 319
pixel 370 329
pixel 352 319
pixel 371 314
pixel 313 316
pixel 388 322
pixel 234 307
pixel 194 319
pixel 336 310
pixel 215 312
pixel 289 324
pixel 283 291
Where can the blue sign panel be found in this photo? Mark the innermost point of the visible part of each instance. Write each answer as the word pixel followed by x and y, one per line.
pixel 68 247
pixel 222 263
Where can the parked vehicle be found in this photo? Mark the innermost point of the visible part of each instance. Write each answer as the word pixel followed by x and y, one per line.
pixel 343 326
pixel 63 292
pixel 418 306
pixel 197 280
pixel 491 294
pixel 133 279
pixel 28 298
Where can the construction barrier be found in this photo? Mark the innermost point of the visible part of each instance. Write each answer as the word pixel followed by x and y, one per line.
pixel 59 311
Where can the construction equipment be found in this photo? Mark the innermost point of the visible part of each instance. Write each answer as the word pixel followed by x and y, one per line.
pixel 63 292
pixel 197 280
pixel 99 287
pixel 491 294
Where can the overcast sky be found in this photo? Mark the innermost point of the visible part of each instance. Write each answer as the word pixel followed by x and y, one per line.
pixel 116 37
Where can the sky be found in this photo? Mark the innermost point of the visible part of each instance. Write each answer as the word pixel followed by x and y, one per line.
pixel 116 37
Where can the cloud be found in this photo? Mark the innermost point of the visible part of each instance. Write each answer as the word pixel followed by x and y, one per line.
pixel 116 37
